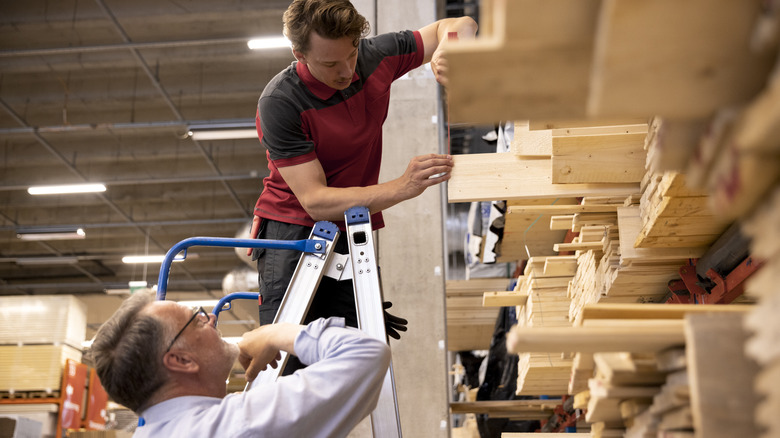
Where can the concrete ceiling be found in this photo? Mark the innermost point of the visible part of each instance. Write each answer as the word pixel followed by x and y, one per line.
pixel 104 91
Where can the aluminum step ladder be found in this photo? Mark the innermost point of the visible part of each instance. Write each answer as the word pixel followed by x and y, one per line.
pixel 359 265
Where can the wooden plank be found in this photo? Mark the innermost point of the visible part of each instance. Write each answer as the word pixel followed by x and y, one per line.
pixel 560 265
pixel 486 177
pixel 598 123
pixel 475 286
pixel 561 222
pixel 533 62
pixel 721 407
pixel 655 311
pixel 584 246
pixel 637 128
pixel 563 209
pixel 503 299
pixel 469 337
pixel 527 143
pixel 595 339
pixel 683 72
pixel 613 158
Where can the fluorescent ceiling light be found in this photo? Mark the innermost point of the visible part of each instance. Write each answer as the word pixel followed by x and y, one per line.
pixel 158 258
pixel 155 258
pixel 268 43
pixel 50 233
pixel 223 134
pixel 66 189
pixel 223 131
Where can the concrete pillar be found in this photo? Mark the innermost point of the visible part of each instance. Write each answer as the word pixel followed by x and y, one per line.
pixel 410 245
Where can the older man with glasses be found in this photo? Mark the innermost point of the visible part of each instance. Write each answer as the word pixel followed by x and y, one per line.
pixel 169 364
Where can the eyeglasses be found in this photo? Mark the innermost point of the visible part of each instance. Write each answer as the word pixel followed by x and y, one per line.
pixel 200 314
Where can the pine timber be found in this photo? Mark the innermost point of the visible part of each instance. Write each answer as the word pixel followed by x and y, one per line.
pixel 597 124
pixel 584 246
pixel 532 61
pixel 470 326
pixel 503 299
pixel 529 231
pixel 487 177
pixel 595 339
pixel 562 209
pixel 612 158
pixel 561 222
pixel 629 222
pixel 721 407
pixel 656 311
pixel 560 266
pixel 601 129
pixel 687 75
pixel 527 143
pixel 517 409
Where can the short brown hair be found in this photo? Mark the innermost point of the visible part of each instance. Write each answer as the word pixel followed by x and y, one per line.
pixel 332 19
pixel 127 353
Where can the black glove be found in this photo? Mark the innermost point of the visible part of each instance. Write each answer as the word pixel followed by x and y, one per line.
pixel 393 324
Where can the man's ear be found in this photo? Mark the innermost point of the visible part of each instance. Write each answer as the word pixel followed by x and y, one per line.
pixel 180 362
pixel 299 56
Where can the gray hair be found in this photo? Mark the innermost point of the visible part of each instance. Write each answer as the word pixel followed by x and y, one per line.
pixel 128 351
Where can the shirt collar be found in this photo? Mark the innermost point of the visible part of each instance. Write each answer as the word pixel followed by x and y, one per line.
pixel 169 409
pixel 319 89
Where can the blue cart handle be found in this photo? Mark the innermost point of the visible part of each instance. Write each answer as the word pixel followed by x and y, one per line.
pixel 226 300
pixel 313 246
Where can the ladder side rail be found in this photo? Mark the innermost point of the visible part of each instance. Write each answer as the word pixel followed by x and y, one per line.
pixel 300 292
pixel 385 420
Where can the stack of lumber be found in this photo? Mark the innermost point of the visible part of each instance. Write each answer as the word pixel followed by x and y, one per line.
pixel 37 336
pixel 526 231
pixel 624 383
pixel 674 215
pixel 621 273
pixel 670 411
pixel 763 323
pixel 470 325
pixel 544 282
pixel 655 367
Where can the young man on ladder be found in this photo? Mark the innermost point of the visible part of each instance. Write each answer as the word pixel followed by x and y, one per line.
pixel 320 121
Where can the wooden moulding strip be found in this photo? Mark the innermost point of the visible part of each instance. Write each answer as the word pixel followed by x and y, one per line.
pixel 655 311
pixel 486 177
pixel 596 339
pixel 503 299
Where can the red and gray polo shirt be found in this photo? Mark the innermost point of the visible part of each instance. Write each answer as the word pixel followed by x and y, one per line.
pixel 299 119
